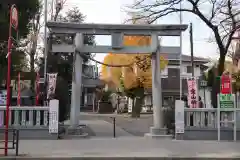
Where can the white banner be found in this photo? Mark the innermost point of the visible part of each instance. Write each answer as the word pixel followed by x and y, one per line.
pixel 53 116
pixel 52 80
pixel 3 97
pixel 179 116
pixel 192 92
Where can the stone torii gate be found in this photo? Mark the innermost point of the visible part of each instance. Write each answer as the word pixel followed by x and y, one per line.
pixel 117 32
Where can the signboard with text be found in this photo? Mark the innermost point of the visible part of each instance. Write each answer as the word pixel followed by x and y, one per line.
pixel 225 86
pixel 53 116
pixel 226 108
pixel 226 100
pixel 179 116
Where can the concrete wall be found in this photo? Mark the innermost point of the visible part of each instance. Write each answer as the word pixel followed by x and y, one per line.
pixel 31 133
pixel 207 134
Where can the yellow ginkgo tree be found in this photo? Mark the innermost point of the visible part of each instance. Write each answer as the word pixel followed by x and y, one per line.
pixel 134 76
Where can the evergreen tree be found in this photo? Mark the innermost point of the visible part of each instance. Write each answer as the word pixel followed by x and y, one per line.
pixel 62 63
pixel 26 9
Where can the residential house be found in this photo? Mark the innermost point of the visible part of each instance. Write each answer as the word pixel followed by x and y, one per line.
pixel 90 81
pixel 171 79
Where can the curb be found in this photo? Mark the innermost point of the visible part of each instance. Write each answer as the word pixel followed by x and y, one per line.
pixel 117 158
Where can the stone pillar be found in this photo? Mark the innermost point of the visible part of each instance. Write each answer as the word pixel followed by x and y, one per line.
pixel 158 129
pixel 76 83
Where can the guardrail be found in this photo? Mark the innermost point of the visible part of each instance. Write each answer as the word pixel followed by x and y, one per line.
pixel 25 117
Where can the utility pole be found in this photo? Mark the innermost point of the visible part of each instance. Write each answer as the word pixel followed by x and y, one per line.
pixel 191 46
pixel 180 57
pixel 45 40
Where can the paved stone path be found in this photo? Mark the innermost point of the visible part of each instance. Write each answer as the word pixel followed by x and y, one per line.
pixel 104 129
pixel 134 126
pixel 129 147
pixel 101 128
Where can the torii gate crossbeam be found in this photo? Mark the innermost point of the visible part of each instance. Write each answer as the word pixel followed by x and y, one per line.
pixel 117 32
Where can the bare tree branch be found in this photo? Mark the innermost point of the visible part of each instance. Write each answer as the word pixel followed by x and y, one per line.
pixel 221 16
pixel 233 24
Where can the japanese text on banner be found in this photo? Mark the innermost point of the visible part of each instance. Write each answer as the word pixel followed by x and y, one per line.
pixel 52 79
pixel 192 93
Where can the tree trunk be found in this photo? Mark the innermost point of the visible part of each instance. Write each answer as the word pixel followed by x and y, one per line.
pixel 216 80
pixel 133 108
pixel 137 107
pixel 32 70
pixel 221 62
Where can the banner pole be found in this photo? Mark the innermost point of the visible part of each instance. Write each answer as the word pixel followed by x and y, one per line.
pixel 19 90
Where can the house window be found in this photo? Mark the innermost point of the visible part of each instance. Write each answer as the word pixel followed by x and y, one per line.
pixel 173 72
pixel 189 69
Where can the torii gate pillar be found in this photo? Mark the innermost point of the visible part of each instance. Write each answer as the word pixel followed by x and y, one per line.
pixel 158 129
pixel 117 33
pixel 76 83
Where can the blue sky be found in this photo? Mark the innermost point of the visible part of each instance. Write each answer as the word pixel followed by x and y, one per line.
pixel 111 11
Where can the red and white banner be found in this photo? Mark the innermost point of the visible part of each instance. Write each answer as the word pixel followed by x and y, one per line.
pixel 192 92
pixel 52 81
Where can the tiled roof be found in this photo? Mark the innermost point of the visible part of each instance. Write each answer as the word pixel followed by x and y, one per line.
pixel 185 58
